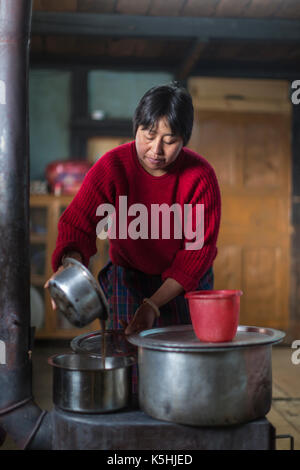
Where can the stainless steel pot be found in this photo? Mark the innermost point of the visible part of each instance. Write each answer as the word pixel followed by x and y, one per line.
pixel 80 384
pixel 77 294
pixel 186 381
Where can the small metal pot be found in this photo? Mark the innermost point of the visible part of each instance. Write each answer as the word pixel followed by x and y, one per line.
pixel 80 384
pixel 186 381
pixel 77 294
pixel 116 344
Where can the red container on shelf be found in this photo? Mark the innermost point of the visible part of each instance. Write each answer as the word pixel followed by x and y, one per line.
pixel 66 177
pixel 214 314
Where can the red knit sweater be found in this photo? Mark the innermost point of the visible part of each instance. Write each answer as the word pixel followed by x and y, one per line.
pixel 191 180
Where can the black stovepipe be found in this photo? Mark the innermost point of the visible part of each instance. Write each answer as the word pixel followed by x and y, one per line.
pixel 20 417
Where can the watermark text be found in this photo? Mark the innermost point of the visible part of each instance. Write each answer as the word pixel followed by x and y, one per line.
pixel 296 354
pixel 163 222
pixel 295 97
pixel 153 459
pixel 2 352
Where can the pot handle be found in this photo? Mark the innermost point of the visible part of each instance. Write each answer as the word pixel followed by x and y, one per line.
pixel 286 436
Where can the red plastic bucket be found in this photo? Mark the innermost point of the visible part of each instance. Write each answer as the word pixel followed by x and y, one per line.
pixel 214 314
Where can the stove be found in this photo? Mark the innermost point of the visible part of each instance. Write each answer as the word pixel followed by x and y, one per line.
pixel 132 429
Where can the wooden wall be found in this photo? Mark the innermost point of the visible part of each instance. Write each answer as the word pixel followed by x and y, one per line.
pixel 243 128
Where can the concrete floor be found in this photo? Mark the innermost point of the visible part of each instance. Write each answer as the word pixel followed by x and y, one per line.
pixel 284 413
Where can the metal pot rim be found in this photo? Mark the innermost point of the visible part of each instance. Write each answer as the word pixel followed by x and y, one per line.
pixel 128 362
pixel 213 294
pixel 247 336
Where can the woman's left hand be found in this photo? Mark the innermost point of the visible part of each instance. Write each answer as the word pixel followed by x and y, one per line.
pixel 143 319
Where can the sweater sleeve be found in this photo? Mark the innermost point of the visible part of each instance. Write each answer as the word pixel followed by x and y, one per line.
pixel 77 225
pixel 190 265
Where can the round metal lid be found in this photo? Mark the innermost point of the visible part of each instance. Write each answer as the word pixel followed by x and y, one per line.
pixel 91 343
pixel 182 338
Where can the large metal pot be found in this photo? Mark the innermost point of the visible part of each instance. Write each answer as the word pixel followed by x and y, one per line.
pixel 81 384
pixel 184 380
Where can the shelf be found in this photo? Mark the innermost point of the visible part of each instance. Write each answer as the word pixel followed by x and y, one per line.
pixel 66 333
pixel 104 127
pixel 47 210
pixel 46 200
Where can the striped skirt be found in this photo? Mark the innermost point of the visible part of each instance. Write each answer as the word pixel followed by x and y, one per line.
pixel 125 290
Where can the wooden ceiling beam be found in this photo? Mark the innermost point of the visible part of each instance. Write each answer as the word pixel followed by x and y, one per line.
pixel 205 68
pixel 246 69
pixel 191 60
pixel 46 60
pixel 166 27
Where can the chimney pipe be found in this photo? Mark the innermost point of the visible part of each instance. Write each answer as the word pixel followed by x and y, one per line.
pixel 20 417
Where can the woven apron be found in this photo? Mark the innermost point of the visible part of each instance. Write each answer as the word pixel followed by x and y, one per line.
pixel 125 290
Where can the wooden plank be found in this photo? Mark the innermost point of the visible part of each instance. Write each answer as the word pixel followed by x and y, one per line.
pixel 246 69
pixel 171 27
pixel 286 375
pixel 240 94
pixel 132 7
pixel 231 8
pixel 54 5
pixel 40 200
pixel 106 127
pixel 290 410
pixel 108 48
pixel 95 62
pixel 277 391
pixel 267 53
pixel 282 426
pixel 192 58
pixel 65 333
pixel 96 6
pixel 165 8
pixel 236 105
pixel 262 8
pixel 220 88
pixel 228 51
pixel 196 8
pixel 166 50
pixel 288 9
pixel 98 146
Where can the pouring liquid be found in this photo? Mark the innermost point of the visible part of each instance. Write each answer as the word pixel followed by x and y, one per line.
pixel 103 342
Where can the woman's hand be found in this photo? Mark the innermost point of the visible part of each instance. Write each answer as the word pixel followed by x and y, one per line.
pixel 143 319
pixel 145 315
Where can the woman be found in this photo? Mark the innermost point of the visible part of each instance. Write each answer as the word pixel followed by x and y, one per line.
pixel 149 271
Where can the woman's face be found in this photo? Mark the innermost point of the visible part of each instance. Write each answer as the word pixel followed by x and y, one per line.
pixel 158 147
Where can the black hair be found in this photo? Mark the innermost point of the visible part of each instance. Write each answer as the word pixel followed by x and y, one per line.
pixel 170 101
